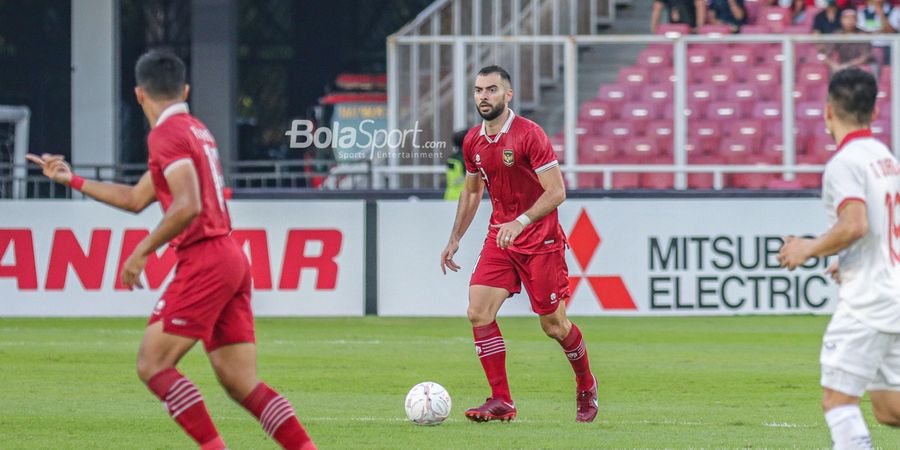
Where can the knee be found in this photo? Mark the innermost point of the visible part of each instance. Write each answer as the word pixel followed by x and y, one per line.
pixel 237 385
pixel 147 368
pixel 479 316
pixel 886 415
pixel 555 330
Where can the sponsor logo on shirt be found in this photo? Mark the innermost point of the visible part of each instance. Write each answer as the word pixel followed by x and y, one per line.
pixel 478 159
pixel 508 157
pixel 179 322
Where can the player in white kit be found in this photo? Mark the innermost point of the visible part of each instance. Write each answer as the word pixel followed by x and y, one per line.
pixel 861 190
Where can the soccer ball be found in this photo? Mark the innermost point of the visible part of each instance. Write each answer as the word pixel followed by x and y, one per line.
pixel 427 403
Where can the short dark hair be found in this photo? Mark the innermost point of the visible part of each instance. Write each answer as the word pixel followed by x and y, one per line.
pixel 161 74
pixel 496 69
pixel 852 93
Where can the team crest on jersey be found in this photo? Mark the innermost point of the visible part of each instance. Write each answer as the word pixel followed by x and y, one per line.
pixel 508 157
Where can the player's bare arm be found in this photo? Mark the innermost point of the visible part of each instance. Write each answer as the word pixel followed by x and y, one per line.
pixel 186 205
pixel 852 224
pixel 469 200
pixel 129 198
pixel 553 196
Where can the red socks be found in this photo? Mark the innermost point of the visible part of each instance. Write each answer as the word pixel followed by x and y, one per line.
pixel 491 350
pixel 185 404
pixel 573 346
pixel 276 415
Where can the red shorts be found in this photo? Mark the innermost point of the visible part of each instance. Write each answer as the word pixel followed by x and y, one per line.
pixel 545 275
pixel 209 299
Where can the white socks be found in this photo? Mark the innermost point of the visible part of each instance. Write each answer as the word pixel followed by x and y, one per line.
pixel 848 428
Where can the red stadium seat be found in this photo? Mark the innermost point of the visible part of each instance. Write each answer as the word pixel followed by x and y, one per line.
pixel 773 56
pixel 720 76
pixel 809 110
pixel 705 138
pixel 767 110
pixel 639 113
pixel 702 180
pixel 715 30
pixel 634 76
pixel 673 30
pixel 703 94
pixel 662 131
pixel 812 74
pixel 662 76
pixel 881 129
pixel 616 93
pixel 748 128
pixel 775 18
pixel 754 29
pixel 595 150
pixel 599 110
pixel 641 150
pixel 740 57
pixel 657 94
pixel 619 129
pixel 699 57
pixel 559 147
pixel 655 58
pixel 723 111
pixel 745 95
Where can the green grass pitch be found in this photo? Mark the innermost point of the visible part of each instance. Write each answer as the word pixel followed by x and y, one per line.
pixel 729 382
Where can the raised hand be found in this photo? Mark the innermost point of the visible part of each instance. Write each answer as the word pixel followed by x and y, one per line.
pixel 55 167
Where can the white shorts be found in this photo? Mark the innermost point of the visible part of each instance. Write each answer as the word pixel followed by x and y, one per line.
pixel 856 358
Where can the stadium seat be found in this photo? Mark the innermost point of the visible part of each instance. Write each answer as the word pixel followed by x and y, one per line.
pixel 641 150
pixel 745 96
pixel 812 74
pixel 655 58
pixel 598 110
pixel 639 113
pixel 881 129
pixel 662 131
pixel 657 95
pixel 810 92
pixel 705 137
pixel 740 57
pixel 723 111
pixel 621 130
pixel 767 110
pixel 775 18
pixel 596 150
pixel 714 30
pixel 558 142
pixel 635 76
pixel 699 57
pixel 754 29
pixel 702 180
pixel 751 129
pixel 662 76
pixel 673 30
pixel 719 75
pixel 703 94
pixel 617 93
pixel 773 56
pixel 809 110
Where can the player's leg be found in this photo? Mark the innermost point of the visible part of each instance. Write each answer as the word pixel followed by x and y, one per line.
pixel 157 357
pixel 850 356
pixel 235 367
pixel 493 281
pixel 886 406
pixel 232 353
pixel 546 279
pixel 884 391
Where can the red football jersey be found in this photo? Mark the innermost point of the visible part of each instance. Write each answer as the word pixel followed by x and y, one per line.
pixel 179 138
pixel 509 164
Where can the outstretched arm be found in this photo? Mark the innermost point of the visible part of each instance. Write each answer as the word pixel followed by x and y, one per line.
pixel 469 200
pixel 852 224
pixel 553 196
pixel 129 198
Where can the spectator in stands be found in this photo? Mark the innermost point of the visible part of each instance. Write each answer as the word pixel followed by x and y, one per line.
pixel 799 9
pixel 873 17
pixel 690 12
pixel 829 20
pixel 847 54
pixel 728 12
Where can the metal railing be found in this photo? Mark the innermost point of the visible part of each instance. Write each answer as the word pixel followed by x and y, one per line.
pixel 400 117
pixel 429 73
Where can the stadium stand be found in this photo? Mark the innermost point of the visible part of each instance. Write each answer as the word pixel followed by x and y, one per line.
pixel 733 106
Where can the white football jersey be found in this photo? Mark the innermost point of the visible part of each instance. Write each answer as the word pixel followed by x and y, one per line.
pixel 863 169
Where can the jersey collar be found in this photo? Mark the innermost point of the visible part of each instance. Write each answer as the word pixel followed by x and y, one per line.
pixel 858 134
pixel 503 130
pixel 171 110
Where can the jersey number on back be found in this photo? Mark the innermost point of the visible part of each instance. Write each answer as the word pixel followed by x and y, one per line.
pixel 212 155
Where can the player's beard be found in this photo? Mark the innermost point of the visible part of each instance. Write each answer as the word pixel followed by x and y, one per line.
pixel 493 113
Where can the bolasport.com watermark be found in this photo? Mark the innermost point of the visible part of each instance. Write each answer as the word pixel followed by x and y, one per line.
pixel 365 140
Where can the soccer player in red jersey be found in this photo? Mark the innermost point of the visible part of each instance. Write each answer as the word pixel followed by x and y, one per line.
pixel 209 298
pixel 513 158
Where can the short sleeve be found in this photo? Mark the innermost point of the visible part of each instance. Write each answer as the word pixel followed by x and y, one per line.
pixel 471 170
pixel 168 150
pixel 845 181
pixel 540 151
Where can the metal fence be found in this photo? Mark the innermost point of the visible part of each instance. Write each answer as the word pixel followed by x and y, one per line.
pixel 404 106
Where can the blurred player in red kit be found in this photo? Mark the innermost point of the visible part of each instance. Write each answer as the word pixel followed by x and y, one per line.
pixel 513 158
pixel 209 298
